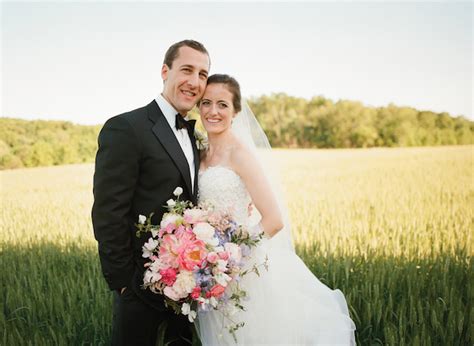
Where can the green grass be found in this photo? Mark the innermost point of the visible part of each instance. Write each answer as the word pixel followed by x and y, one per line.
pixel 391 228
pixel 54 296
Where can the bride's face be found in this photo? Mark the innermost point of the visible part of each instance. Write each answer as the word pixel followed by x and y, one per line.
pixel 216 108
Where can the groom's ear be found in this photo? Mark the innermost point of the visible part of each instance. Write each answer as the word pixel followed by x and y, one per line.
pixel 164 72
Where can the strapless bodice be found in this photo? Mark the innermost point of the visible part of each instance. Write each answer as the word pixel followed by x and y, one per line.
pixel 225 191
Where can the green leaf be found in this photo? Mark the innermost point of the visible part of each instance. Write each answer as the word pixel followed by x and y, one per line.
pixel 160 339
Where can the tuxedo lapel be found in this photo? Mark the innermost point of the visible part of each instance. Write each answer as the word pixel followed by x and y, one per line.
pixel 165 135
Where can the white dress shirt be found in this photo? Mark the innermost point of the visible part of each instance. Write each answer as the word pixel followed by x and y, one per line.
pixel 181 135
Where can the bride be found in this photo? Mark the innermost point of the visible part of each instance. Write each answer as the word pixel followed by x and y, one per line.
pixel 287 304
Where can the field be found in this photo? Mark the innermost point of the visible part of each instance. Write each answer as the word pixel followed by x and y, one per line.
pixel 391 228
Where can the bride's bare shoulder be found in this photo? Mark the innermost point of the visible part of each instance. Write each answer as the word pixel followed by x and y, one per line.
pixel 242 159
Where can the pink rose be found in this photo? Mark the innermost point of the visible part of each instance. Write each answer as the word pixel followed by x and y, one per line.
pixel 196 293
pixel 179 231
pixel 185 236
pixel 212 257
pixel 217 291
pixel 223 255
pixel 168 276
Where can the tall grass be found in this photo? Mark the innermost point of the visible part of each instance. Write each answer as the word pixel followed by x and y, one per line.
pixel 391 228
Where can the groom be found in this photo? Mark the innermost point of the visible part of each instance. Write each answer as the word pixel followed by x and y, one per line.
pixel 143 156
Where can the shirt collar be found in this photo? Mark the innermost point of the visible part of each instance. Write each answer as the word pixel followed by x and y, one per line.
pixel 168 111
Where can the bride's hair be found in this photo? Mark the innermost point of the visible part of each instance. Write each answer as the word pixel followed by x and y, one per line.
pixel 232 85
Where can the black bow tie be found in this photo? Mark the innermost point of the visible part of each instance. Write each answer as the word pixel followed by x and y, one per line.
pixel 181 123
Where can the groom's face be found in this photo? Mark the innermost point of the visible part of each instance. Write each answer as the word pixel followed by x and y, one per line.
pixel 185 80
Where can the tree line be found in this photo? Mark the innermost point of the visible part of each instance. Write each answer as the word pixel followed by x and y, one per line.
pixel 321 123
pixel 34 143
pixel 288 121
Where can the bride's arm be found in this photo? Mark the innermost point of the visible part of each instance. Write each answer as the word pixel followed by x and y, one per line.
pixel 249 169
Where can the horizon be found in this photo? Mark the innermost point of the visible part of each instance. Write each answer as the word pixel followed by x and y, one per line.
pixel 32 118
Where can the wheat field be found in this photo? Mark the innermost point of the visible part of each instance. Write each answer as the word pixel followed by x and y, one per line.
pixel 391 228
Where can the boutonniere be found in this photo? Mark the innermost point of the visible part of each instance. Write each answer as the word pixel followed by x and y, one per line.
pixel 201 140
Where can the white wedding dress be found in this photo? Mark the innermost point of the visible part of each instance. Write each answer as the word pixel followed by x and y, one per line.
pixel 287 304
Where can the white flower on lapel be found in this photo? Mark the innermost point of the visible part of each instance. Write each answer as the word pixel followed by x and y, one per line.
pixel 201 140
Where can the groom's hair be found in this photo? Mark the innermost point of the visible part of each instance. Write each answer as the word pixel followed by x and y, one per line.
pixel 173 51
pixel 232 85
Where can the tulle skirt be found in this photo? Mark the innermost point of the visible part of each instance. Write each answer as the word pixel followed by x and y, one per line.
pixel 287 305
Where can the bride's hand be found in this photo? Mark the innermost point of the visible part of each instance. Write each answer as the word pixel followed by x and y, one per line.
pixel 250 209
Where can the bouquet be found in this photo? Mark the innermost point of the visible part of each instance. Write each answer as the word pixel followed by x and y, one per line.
pixel 197 257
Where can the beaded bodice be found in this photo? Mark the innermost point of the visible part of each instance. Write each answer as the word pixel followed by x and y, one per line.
pixel 222 188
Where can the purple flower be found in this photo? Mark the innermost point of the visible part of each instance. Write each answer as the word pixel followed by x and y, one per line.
pixel 223 238
pixel 203 277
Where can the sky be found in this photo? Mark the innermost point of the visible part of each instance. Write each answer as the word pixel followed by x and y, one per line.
pixel 88 61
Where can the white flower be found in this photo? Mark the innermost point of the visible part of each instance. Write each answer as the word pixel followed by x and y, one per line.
pixel 234 251
pixel 148 247
pixel 186 310
pixel 184 284
pixel 178 191
pixel 171 293
pixel 154 231
pixel 192 316
pixel 170 218
pixel 221 266
pixel 201 140
pixel 151 277
pixel 157 265
pixel 171 203
pixel 213 301
pixel 194 215
pixel 205 232
pixel 141 219
pixel 222 279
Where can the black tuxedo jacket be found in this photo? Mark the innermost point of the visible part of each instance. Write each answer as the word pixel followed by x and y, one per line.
pixel 138 165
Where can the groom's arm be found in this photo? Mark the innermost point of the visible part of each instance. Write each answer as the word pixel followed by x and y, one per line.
pixel 115 178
